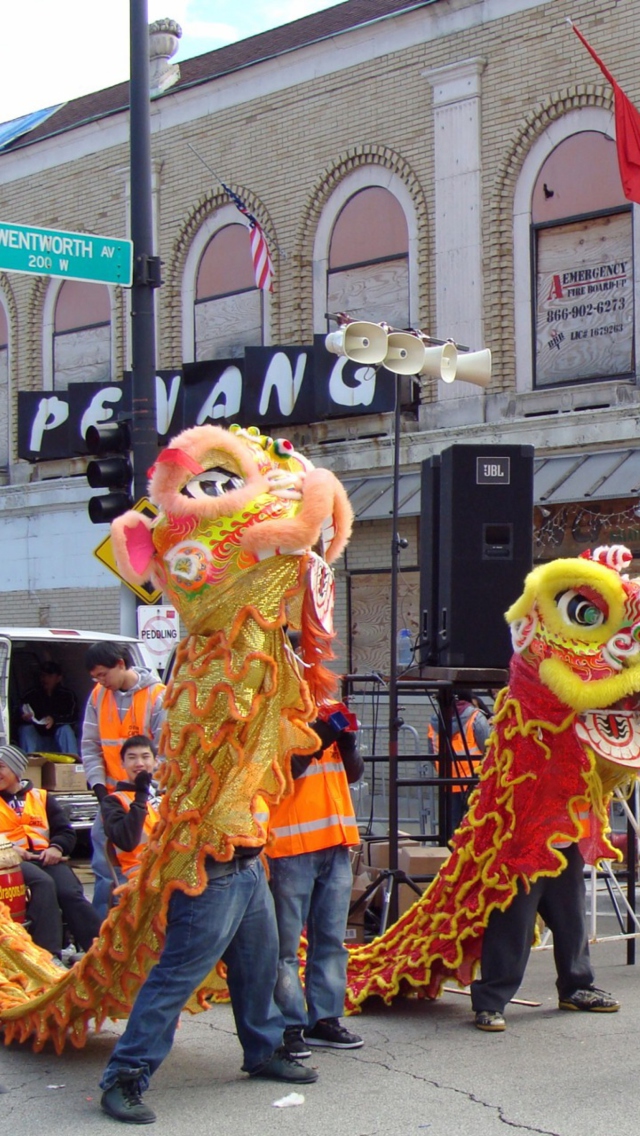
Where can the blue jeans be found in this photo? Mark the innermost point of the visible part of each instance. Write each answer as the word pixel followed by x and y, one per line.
pixel 106 875
pixel 62 740
pixel 232 919
pixel 313 888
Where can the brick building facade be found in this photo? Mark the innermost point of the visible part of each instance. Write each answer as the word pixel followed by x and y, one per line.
pixel 451 117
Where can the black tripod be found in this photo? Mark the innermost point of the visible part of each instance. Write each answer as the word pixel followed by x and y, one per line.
pixel 387 881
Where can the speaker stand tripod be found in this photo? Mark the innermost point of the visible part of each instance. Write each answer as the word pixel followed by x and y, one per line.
pixel 387 881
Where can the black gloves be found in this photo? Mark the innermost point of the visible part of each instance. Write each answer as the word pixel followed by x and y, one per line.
pixel 142 782
pixel 100 791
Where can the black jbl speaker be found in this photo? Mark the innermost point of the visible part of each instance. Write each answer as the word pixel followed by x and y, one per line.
pixel 476 547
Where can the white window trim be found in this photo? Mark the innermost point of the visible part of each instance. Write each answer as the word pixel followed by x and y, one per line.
pixel 225 215
pixel 575 122
pixel 49 328
pixel 363 178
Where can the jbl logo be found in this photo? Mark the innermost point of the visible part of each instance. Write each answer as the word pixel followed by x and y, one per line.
pixel 493 471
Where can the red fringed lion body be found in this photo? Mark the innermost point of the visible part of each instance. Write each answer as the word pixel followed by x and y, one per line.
pixel 566 732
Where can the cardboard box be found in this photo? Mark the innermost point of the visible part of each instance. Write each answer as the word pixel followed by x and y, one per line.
pixel 422 859
pixel 418 860
pixel 62 777
pixel 378 851
pixel 356 921
pixel 33 772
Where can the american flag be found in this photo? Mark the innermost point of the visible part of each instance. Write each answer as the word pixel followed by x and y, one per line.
pixel 262 266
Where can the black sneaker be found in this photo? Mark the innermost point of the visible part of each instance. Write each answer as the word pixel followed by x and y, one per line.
pixel 491 1021
pixel 282 1067
pixel 123 1101
pixel 331 1035
pixel 295 1044
pixel 593 1000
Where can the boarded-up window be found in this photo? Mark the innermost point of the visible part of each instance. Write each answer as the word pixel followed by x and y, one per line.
pixel 82 334
pixel 228 308
pixel 369 259
pixel 583 252
pixel 4 389
pixel 370 606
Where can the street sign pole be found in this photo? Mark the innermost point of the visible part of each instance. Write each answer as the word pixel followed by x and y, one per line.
pixel 146 266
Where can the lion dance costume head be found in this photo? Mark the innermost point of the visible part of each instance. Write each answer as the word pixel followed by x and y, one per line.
pixel 242 545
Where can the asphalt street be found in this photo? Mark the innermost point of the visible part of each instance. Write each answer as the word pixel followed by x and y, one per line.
pixel 424 1071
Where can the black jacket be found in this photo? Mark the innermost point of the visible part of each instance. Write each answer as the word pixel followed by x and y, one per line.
pixel 347 743
pixel 61 834
pixel 122 826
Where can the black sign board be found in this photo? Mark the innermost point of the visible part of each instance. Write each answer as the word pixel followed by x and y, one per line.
pixel 267 387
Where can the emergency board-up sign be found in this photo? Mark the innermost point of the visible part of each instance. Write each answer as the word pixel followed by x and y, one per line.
pixel 158 628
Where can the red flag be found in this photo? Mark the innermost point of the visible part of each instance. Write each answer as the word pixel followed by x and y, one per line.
pixel 627 130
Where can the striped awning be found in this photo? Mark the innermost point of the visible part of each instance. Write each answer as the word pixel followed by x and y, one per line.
pixel 608 475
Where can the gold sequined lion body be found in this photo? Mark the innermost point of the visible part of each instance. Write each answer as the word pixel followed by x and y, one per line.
pixel 246 531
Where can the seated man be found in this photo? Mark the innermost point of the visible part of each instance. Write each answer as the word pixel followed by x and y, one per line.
pixel 131 811
pixel 36 825
pixel 48 713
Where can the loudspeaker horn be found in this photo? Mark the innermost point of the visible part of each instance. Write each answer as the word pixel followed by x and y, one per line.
pixel 360 341
pixel 475 367
pixel 441 362
pixel 405 353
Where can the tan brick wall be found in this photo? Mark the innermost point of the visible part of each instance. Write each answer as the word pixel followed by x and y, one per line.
pixel 288 149
pixel 63 607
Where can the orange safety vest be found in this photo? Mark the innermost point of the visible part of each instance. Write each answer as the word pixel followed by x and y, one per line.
pixel 128 861
pixel 467 747
pixel 114 730
pixel 30 830
pixel 318 814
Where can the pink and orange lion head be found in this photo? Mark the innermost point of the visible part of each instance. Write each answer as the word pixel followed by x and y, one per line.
pixel 227 500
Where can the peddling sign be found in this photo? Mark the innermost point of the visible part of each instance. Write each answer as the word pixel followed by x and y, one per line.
pixel 158 628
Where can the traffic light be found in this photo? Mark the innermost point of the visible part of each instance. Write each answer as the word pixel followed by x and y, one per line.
pixel 110 469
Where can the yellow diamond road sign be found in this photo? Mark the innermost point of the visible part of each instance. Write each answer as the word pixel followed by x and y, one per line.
pixel 105 554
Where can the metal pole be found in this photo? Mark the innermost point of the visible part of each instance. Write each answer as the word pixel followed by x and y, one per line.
pixel 146 267
pixel 394 721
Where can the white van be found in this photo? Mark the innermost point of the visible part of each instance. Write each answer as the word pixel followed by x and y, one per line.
pixel 23 650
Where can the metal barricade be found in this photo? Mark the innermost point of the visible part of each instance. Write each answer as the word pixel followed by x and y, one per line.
pixel 417 805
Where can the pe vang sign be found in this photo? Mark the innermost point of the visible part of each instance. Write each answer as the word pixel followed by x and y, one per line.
pixel 72 256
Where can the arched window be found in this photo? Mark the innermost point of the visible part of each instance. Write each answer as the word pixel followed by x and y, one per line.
pixel 582 246
pixel 368 267
pixel 4 388
pixel 81 334
pixel 228 313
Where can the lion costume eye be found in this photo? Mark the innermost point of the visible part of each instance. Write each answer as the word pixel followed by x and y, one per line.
pixel 580 610
pixel 212 483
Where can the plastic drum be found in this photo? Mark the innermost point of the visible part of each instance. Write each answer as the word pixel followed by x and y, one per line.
pixel 13 892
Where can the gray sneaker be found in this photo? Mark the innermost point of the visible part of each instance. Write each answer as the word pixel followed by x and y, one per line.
pixel 123 1100
pixel 593 1000
pixel 491 1021
pixel 282 1067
